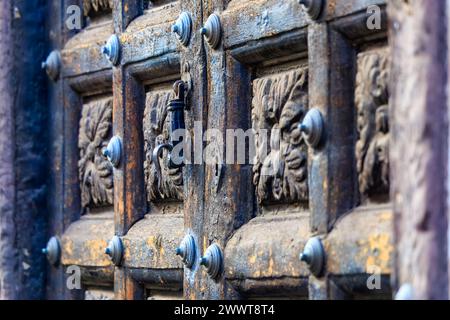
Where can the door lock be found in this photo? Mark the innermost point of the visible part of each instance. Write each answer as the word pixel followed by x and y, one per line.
pixel 176 107
pixel 187 250
pixel 212 260
pixel 53 251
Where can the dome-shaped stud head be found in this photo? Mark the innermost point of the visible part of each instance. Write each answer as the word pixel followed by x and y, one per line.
pixel 53 251
pixel 314 256
pixel 312 7
pixel 113 152
pixel 115 250
pixel 52 65
pixel 111 49
pixel 212 260
pixel 187 251
pixel 183 28
pixel 312 127
pixel 212 30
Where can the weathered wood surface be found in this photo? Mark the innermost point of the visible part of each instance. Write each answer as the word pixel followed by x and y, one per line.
pixel 419 142
pixel 85 240
pixel 260 39
pixel 152 241
pixel 193 175
pixel 8 270
pixel 129 189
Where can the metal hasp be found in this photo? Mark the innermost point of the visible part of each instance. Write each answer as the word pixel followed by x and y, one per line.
pixel 314 256
pixel 312 127
pixel 113 151
pixel 312 7
pixel 183 28
pixel 115 250
pixel 176 107
pixel 212 260
pixel 186 251
pixel 212 30
pixel 53 251
pixel 112 49
pixel 52 65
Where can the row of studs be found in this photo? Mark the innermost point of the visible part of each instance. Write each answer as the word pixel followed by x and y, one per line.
pixel 182 27
pixel 313 254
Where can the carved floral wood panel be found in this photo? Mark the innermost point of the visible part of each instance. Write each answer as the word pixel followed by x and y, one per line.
pixel 371 100
pixel 278 106
pixel 96 6
pixel 95 171
pixel 169 184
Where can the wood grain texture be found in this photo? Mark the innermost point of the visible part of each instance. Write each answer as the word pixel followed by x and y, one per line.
pixel 129 188
pixel 419 150
pixel 331 170
pixel 8 252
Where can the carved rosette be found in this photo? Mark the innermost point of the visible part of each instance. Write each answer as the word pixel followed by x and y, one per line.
pixel 280 165
pixel 95 171
pixel 156 132
pixel 371 100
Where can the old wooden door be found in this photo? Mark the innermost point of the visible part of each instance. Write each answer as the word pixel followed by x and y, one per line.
pixel 263 67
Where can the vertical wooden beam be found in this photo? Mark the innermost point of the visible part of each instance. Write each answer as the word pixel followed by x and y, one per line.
pixel 129 189
pixel 419 144
pixel 193 174
pixel 8 272
pixel 332 166
pixel 55 29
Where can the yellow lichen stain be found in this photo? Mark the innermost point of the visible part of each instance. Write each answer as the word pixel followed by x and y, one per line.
pixel 378 251
pixel 386 216
pixel 257 274
pixel 68 248
pixel 252 259
pixel 96 251
pixel 324 185
pixel 270 269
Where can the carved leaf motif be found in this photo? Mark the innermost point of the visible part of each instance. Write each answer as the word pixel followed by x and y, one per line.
pixel 156 132
pixel 96 5
pixel 95 171
pixel 371 99
pixel 278 106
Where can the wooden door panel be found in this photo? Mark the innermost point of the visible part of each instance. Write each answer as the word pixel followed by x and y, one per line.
pixel 272 65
